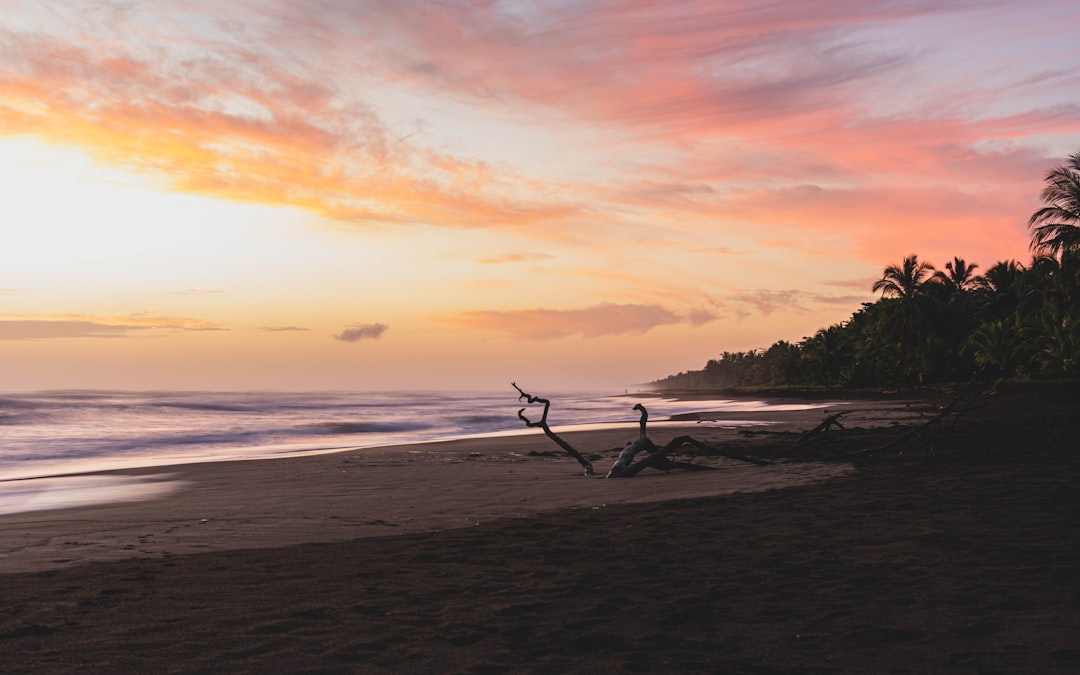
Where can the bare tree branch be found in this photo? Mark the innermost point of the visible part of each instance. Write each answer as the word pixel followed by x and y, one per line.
pixel 817 434
pixel 625 466
pixel 923 431
pixel 570 450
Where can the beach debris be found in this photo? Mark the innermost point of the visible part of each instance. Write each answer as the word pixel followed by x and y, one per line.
pixel 816 442
pixel 625 466
pixel 818 434
pixel 586 464
pixel 660 458
pixel 924 434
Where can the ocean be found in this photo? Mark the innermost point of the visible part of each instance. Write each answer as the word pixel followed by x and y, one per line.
pixel 63 432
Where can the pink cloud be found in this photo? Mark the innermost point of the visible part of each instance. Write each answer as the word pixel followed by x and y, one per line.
pixel 779 116
pixel 590 322
pixel 214 128
pixel 516 257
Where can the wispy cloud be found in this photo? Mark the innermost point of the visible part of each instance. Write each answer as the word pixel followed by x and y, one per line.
pixel 861 283
pixel 29 329
pixel 357 332
pixel 516 257
pixel 590 322
pixel 758 131
pixel 718 250
pixel 752 91
pixel 242 124
pixel 766 302
pixel 83 326
pixel 282 329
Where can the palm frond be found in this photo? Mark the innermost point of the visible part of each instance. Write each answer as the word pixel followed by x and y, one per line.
pixel 1056 227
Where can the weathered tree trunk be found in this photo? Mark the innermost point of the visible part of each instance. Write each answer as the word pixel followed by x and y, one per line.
pixel 659 458
pixel 625 466
pixel 626 457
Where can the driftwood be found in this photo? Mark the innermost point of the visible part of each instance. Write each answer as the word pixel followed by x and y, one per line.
pixel 820 433
pixel 923 431
pixel 586 464
pixel 625 466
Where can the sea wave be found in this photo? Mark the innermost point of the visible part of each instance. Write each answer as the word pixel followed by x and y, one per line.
pixel 56 429
pixel 362 428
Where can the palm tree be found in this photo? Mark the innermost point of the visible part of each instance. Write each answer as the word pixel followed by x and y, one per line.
pixel 821 353
pixel 1056 226
pixel 960 276
pixel 907 314
pixel 997 347
pixel 904 281
pixel 1002 278
pixel 1000 288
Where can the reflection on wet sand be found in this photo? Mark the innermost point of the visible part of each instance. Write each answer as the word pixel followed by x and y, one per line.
pixel 65 492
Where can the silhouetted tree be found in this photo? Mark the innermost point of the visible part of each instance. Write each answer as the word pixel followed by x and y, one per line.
pixel 997 348
pixel 960 275
pixel 1012 321
pixel 998 291
pixel 1056 226
pixel 904 281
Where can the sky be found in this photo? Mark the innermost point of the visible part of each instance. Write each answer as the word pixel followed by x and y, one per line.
pixel 586 195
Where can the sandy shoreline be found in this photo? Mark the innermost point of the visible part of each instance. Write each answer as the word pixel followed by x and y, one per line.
pixel 966 559
pixel 376 492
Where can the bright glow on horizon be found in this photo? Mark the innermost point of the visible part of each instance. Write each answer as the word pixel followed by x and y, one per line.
pixel 581 195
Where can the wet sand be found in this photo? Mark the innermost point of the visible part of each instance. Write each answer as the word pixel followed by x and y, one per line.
pixel 476 556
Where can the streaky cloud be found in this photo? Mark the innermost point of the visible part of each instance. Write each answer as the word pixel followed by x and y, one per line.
pixel 769 301
pixel 860 283
pixel 549 324
pixel 80 326
pixel 283 329
pixel 31 329
pixel 504 258
pixel 718 250
pixel 243 125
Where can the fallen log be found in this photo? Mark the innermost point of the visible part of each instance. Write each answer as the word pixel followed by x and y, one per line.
pixel 819 433
pixel 922 432
pixel 625 465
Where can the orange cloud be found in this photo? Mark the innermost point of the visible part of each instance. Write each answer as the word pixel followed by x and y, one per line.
pixel 590 322
pixel 284 144
pixel 84 326
pixel 503 258
pixel 787 115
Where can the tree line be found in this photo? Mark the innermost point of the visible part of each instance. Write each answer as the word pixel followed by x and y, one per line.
pixel 1013 320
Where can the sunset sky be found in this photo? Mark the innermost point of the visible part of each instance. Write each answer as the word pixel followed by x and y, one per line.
pixel 350 194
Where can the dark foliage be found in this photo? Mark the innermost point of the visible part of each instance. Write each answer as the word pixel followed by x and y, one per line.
pixel 1011 322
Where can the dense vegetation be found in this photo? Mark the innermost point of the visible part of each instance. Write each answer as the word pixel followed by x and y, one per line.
pixel 1011 321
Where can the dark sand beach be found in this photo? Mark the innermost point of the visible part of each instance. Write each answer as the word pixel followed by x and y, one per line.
pixel 477 556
